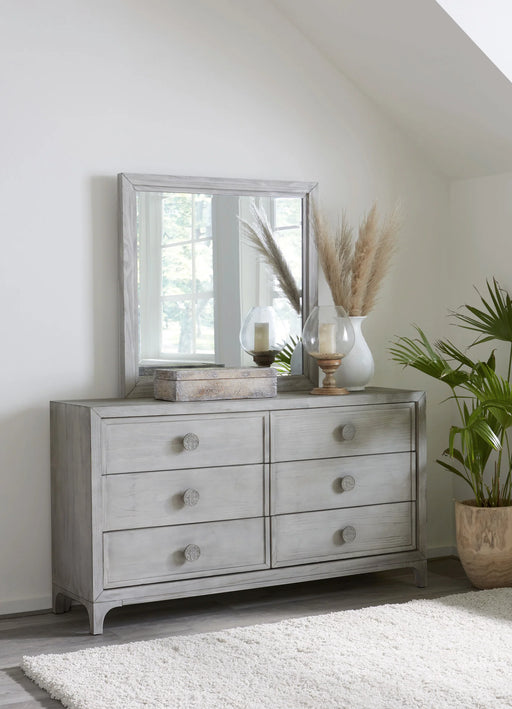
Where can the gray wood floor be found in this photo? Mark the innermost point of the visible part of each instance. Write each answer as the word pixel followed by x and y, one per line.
pixel 45 632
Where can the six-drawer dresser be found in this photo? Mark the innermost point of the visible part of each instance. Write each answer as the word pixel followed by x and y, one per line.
pixel 154 500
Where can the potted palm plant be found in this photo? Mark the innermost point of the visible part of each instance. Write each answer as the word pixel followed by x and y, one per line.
pixel 479 450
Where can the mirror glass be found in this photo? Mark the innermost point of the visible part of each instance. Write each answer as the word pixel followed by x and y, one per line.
pixel 191 273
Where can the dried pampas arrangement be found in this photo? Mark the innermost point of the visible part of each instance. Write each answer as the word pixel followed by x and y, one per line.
pixel 260 236
pixel 354 271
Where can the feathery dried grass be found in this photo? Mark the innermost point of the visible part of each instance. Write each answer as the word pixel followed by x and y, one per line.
pixel 345 251
pixel 364 256
pixel 260 236
pixel 354 272
pixel 382 261
pixel 335 256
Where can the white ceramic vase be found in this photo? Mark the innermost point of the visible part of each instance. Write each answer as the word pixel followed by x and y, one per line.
pixel 357 367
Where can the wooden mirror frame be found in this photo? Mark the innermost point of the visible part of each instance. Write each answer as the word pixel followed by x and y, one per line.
pixel 134 385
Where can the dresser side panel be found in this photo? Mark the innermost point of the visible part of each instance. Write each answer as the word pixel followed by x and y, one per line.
pixel 71 497
pixel 421 476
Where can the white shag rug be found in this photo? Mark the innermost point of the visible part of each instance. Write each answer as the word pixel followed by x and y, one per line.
pixel 453 652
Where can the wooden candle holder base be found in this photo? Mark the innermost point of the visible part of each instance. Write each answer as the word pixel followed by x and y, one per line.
pixel 329 391
pixel 329 388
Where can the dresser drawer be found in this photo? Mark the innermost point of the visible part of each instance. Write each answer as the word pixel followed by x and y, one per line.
pixel 335 534
pixel 304 485
pixel 169 497
pixel 163 443
pixel 192 550
pixel 342 431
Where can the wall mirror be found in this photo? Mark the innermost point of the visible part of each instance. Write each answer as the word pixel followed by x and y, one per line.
pixel 189 274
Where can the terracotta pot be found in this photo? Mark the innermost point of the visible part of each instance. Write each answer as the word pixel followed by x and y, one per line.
pixel 484 543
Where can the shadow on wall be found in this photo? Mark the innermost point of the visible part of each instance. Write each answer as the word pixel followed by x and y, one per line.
pixel 25 503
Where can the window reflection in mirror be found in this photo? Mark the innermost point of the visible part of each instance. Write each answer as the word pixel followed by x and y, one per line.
pixel 198 276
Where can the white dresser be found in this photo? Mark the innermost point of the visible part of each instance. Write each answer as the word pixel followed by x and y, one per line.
pixel 154 500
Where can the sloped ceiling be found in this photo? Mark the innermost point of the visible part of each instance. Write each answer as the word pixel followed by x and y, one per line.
pixel 488 24
pixel 419 66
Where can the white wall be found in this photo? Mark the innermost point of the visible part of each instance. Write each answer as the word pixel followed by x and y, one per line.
pixel 210 87
pixel 481 238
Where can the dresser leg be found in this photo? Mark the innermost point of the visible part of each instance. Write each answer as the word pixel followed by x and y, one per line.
pixel 60 602
pixel 97 613
pixel 420 574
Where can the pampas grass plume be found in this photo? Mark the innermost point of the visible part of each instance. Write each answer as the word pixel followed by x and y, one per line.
pixel 354 271
pixel 260 236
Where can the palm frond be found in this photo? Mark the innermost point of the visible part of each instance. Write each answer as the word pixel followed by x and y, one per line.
pixel 482 395
pixel 420 354
pixel 283 360
pixel 451 351
pixel 454 470
pixel 494 322
pixel 494 394
pixel 477 439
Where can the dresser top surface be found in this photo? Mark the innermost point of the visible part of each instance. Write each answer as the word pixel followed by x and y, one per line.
pixel 107 408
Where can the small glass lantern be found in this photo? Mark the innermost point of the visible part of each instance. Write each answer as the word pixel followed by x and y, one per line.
pixel 328 336
pixel 262 335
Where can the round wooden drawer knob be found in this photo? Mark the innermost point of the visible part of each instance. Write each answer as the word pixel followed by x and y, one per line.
pixel 347 431
pixel 191 497
pixel 348 534
pixel 190 441
pixel 347 483
pixel 192 552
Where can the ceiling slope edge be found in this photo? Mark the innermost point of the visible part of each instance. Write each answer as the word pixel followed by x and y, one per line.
pixel 415 62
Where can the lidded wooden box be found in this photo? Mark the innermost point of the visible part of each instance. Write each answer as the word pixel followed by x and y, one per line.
pixel 208 384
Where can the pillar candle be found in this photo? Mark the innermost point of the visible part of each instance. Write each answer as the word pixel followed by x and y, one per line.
pixel 327 338
pixel 261 337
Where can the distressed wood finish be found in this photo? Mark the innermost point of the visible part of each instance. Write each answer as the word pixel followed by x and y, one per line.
pixel 140 556
pixel 72 504
pixel 285 401
pixel 332 534
pixel 302 435
pixel 420 572
pixel 212 384
pixel 137 517
pixel 164 497
pixel 308 485
pixel 134 385
pixel 134 445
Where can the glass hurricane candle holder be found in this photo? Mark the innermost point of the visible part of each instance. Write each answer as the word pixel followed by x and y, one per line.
pixel 262 335
pixel 328 336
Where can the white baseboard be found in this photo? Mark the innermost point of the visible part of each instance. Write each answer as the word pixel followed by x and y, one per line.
pixel 26 605
pixel 437 552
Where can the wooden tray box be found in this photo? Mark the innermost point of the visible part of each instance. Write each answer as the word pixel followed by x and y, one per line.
pixel 209 384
